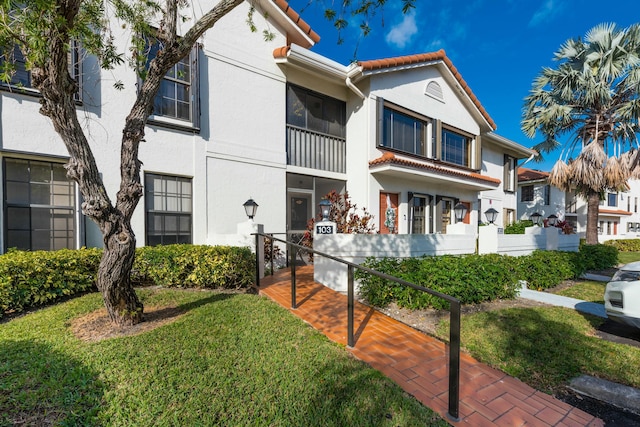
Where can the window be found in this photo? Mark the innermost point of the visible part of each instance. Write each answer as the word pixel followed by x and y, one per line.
pixel 456 148
pixel 419 220
pixel 403 132
pixel 509 183
pixel 177 99
pixel 571 200
pixel 546 194
pixel 319 113
pixel 509 216
pixel 21 77
pixel 612 199
pixel 40 206
pixel 526 193
pixel 168 209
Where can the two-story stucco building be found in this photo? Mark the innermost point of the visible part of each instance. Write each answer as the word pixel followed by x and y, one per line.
pixel 270 120
pixel 618 215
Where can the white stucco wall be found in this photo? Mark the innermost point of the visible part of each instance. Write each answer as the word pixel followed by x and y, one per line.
pixel 242 101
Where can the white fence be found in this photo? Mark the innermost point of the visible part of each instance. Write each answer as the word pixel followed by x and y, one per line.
pixel 357 247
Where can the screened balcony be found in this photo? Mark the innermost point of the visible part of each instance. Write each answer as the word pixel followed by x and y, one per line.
pixel 315 150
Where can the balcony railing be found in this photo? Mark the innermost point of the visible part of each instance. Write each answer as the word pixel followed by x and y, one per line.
pixel 316 150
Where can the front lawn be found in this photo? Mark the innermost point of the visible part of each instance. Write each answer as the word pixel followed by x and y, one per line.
pixel 546 346
pixel 627 257
pixel 585 290
pixel 229 360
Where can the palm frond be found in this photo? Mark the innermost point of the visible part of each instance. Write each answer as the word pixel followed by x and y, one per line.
pixel 560 176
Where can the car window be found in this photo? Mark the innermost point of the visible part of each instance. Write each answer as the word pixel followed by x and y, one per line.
pixel 626 276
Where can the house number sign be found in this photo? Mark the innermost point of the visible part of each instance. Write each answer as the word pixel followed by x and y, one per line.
pixel 324 229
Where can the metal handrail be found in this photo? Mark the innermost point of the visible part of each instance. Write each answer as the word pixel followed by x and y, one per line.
pixel 454 311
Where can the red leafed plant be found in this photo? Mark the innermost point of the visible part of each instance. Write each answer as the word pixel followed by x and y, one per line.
pixel 345 214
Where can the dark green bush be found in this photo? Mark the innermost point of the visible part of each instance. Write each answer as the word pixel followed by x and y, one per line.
pixel 625 245
pixel 518 227
pixel 477 278
pixel 34 278
pixel 599 257
pixel 190 266
pixel 472 279
pixel 546 269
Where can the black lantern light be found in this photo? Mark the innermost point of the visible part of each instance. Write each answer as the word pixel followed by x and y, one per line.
pixel 325 208
pixel 552 220
pixel 250 208
pixel 536 218
pixel 460 210
pixel 491 215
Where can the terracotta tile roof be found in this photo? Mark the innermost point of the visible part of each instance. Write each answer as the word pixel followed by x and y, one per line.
pixel 440 55
pixel 390 158
pixel 613 211
pixel 281 52
pixel 525 174
pixel 295 17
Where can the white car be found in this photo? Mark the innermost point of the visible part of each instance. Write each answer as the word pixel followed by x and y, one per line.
pixel 622 295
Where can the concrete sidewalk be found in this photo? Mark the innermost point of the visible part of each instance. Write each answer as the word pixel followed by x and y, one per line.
pixel 558 300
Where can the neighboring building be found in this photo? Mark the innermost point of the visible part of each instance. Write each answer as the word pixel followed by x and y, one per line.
pixel 269 120
pixel 618 215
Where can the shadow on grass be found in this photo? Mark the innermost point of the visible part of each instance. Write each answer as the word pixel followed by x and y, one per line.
pixel 361 396
pixel 543 347
pixel 41 386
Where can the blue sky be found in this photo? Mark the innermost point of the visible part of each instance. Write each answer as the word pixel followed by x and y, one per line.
pixel 499 46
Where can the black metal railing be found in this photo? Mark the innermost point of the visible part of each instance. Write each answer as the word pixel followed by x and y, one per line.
pixel 454 309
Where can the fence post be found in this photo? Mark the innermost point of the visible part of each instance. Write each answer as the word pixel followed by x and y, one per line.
pixel 293 278
pixel 350 292
pixel 257 262
pixel 454 361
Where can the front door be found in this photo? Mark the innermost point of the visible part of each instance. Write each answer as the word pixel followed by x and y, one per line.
pixel 300 212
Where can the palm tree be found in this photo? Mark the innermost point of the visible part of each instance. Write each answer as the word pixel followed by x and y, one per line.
pixel 592 98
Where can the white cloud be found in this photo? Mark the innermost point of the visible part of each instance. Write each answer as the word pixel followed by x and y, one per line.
pixel 549 10
pixel 400 35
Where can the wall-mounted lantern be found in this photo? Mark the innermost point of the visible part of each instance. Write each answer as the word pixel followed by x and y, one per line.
pixel 491 215
pixel 460 211
pixel 250 208
pixel 536 218
pixel 325 209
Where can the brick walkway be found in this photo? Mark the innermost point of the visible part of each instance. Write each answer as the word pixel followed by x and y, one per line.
pixel 418 362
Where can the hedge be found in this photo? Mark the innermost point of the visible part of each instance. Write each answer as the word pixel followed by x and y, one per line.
pixel 190 266
pixel 476 278
pixel 30 279
pixel 35 278
pixel 625 245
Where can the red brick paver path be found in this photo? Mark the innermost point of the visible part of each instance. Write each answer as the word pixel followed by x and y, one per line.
pixel 418 362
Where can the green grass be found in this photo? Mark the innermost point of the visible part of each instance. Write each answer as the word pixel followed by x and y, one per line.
pixel 585 290
pixel 546 347
pixel 627 257
pixel 231 360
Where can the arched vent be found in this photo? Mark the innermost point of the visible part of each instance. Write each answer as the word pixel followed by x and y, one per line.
pixel 434 90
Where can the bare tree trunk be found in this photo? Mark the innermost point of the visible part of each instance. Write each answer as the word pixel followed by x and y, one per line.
pixel 114 277
pixel 57 87
pixel 593 206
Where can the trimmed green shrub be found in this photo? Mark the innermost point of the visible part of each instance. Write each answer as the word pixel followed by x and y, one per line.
pixel 518 227
pixel 35 278
pixel 477 278
pixel 189 266
pixel 546 269
pixel 625 245
pixel 472 279
pixel 599 257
